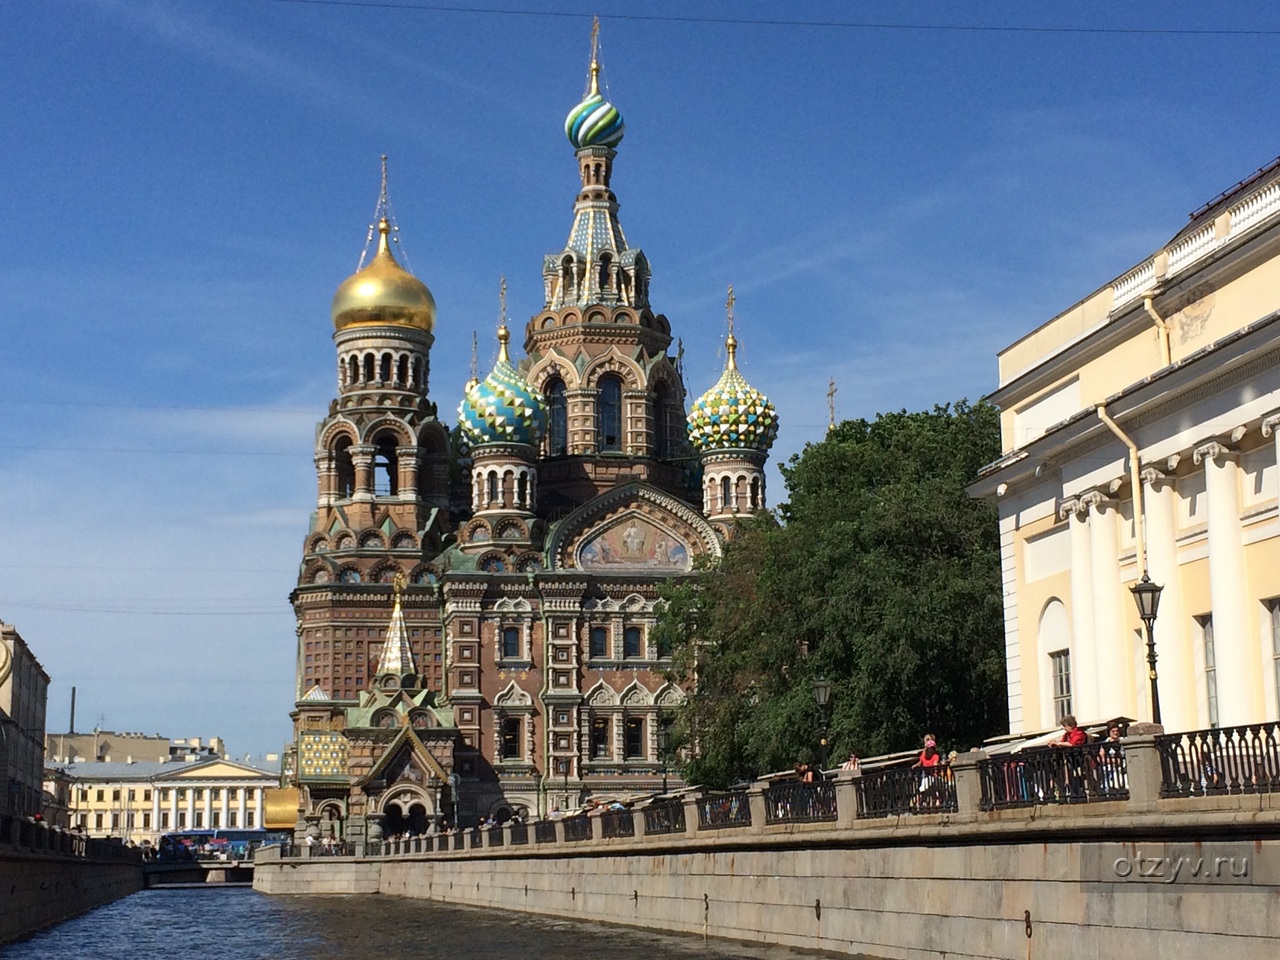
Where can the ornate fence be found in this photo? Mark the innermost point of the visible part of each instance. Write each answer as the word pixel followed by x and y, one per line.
pixel 544 831
pixel 899 791
pixel 1227 760
pixel 731 809
pixel 791 801
pixel 519 834
pixel 577 828
pixel 617 823
pixel 1054 775
pixel 666 816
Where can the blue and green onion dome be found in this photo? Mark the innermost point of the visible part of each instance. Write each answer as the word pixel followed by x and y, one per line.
pixel 732 415
pixel 502 408
pixel 595 122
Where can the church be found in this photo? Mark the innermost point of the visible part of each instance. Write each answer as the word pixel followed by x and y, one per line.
pixel 476 596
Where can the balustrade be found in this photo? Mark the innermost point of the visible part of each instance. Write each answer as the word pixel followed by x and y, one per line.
pixel 664 817
pixel 577 828
pixel 1082 774
pixel 544 831
pixel 1220 761
pixel 899 791
pixel 792 801
pixel 717 811
pixel 617 823
pixel 519 834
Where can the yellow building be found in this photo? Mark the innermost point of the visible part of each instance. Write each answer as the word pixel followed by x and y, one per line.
pixel 142 800
pixel 1182 355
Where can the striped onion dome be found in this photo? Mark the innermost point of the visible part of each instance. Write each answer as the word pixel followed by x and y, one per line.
pixel 732 415
pixel 595 122
pixel 503 407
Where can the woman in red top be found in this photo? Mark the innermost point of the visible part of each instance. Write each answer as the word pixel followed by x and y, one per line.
pixel 930 756
pixel 1072 735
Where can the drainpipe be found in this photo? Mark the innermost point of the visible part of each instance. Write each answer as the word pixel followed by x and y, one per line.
pixel 1162 326
pixel 1139 515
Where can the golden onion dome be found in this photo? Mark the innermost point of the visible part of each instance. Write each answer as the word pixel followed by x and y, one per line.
pixel 384 292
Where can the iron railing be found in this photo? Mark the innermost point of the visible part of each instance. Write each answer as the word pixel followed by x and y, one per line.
pixel 731 809
pixel 25 834
pixel 496 839
pixel 617 823
pixel 459 841
pixel 544 831
pixel 519 833
pixel 577 828
pixel 1221 761
pixel 664 817
pixel 900 791
pixel 1083 774
pixel 791 801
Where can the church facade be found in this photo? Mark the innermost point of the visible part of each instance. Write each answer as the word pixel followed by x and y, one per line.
pixel 476 596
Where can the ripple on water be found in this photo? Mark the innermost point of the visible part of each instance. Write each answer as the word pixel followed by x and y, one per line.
pixel 240 924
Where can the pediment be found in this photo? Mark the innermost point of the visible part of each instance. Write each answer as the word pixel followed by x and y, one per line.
pixel 634 529
pixel 215 770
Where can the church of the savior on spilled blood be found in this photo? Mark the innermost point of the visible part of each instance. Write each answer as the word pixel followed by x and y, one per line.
pixel 477 594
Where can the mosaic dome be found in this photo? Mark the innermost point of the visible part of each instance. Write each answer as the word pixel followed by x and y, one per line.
pixel 502 408
pixel 732 415
pixel 595 122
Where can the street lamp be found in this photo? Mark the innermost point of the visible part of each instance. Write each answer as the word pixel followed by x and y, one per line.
pixel 664 740
pixel 1147 595
pixel 822 693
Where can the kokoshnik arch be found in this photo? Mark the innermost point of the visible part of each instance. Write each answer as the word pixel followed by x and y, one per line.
pixel 474 607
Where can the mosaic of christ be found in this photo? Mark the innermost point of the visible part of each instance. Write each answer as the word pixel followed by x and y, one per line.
pixel 634 545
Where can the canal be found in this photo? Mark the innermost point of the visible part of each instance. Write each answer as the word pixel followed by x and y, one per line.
pixel 240 924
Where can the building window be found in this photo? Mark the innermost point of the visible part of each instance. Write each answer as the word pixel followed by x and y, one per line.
pixel 634 738
pixel 115 822
pixel 215 793
pixel 1061 662
pixel 510 738
pixel 164 819
pixel 97 821
pixel 129 820
pixel 115 796
pixel 248 818
pixel 610 413
pixel 198 793
pixel 215 819
pixel 510 642
pixel 84 821
pixel 146 796
pixel 231 817
pixel 1210 668
pixel 600 738
pixel 557 417
pixel 1273 610
pixel 102 796
pixel 199 820
pixel 233 793
pixel 599 642
pixel 632 642
pixel 146 820
pixel 133 794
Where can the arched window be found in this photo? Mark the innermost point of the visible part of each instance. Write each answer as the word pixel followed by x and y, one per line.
pixel 606 262
pixel 384 368
pixel 724 494
pixel 522 490
pixel 510 643
pixel 345 469
pixel 368 368
pixel 386 473
pixel 402 370
pixel 756 503
pixel 610 413
pixel 493 487
pixel 558 409
pixel 353 370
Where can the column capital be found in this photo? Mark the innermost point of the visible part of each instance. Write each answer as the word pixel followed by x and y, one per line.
pixel 1070 506
pixel 1097 501
pixel 1271 424
pixel 1154 476
pixel 1214 450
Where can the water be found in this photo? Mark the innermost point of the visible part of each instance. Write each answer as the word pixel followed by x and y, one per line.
pixel 241 924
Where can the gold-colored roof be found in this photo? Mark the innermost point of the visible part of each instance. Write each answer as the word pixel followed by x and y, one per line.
pixel 384 292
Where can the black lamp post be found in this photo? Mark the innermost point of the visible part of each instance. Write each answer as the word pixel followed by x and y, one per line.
pixel 664 739
pixel 1147 596
pixel 822 693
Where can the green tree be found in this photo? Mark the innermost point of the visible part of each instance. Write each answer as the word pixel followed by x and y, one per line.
pixel 884 576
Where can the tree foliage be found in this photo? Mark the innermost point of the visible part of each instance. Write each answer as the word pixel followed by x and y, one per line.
pixel 882 575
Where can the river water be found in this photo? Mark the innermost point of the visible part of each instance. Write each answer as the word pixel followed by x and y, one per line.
pixel 240 924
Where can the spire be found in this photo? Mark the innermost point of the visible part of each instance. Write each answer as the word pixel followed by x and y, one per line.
pixel 475 363
pixel 503 333
pixel 593 86
pixel 731 342
pixel 831 405
pixel 397 658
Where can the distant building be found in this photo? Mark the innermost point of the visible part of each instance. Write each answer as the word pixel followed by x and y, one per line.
pixel 24 690
pixel 515 667
pixel 107 746
pixel 1182 354
pixel 139 800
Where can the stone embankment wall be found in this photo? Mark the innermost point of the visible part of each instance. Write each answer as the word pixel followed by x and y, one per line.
pixel 47 877
pixel 1135 878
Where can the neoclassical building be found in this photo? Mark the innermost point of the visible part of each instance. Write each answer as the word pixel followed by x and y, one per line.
pixel 1140 429
pixel 475 601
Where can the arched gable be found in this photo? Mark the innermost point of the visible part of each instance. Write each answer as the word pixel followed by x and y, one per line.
pixel 614 361
pixel 602 695
pixel 635 529
pixel 553 364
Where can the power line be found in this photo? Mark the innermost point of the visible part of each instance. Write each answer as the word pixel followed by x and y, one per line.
pixel 156 450
pixel 763 22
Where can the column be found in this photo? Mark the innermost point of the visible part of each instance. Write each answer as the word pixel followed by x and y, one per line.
pixel 259 813
pixel 1084 650
pixel 241 795
pixel 407 459
pixel 1112 645
pixel 224 806
pixel 362 460
pixel 173 808
pixel 191 807
pixel 155 812
pixel 1234 651
pixel 208 806
pixel 1176 658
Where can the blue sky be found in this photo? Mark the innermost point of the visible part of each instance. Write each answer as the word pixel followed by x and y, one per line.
pixel 185 183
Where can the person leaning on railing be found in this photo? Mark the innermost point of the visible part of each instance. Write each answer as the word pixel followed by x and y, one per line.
pixel 1074 776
